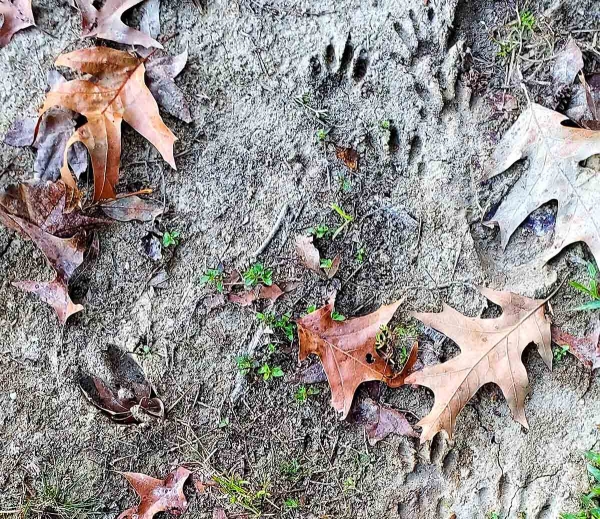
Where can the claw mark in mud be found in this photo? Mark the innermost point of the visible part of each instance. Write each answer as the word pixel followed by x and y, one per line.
pixel 360 65
pixel 416 145
pixel 346 56
pixel 329 55
pixel 438 446
pixel 449 463
pixel 394 139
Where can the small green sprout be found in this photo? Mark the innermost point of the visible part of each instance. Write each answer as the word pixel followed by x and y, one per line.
pixel 321 134
pixel 326 263
pixel 591 291
pixel 213 277
pixel 240 492
pixel 385 124
pixel 256 274
pixel 291 469
pixel 492 515
pixel 282 323
pixel 360 255
pixel 320 231
pixel 303 392
pixel 306 98
pixel 345 183
pixel 560 352
pixel 527 20
pixel 310 309
pixel 223 423
pixel 245 363
pixel 170 239
pixel 269 372
pixel 349 484
pixel 291 503
pixel 336 316
pixel 272 347
pixel 343 214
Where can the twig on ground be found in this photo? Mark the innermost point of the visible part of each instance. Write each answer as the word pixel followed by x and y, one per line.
pixel 273 232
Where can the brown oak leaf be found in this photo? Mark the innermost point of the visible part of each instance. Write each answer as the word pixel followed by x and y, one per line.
pixel 106 23
pixel 15 15
pixel 491 351
pixel 380 421
pixel 128 208
pixel 554 152
pixel 157 495
pixel 49 214
pixel 347 351
pixel 586 348
pixel 118 94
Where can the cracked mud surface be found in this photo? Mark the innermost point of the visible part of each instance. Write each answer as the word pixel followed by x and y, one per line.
pixel 250 149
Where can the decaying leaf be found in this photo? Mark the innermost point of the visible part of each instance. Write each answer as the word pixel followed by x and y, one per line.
pixel 310 257
pixel 272 292
pixel 312 374
pixel 128 208
pixel 157 495
pixel 554 152
pixel 152 246
pixel 491 351
pixel 347 351
pixel 586 348
pixel 219 513
pixel 15 15
pixel 150 20
pixel 160 72
pixel 348 156
pixel 380 421
pixel 120 72
pixel 568 64
pixel 106 23
pixel 49 214
pixel 131 390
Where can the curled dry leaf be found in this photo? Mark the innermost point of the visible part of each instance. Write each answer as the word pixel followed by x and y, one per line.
pixel 586 348
pixel 157 495
pixel 15 15
pixel 49 214
pixel 347 351
pixel 131 390
pixel 491 351
pixel 348 156
pixel 310 257
pixel 272 292
pixel 381 421
pixel 106 23
pixel 554 152
pixel 568 64
pixel 128 208
pixel 115 71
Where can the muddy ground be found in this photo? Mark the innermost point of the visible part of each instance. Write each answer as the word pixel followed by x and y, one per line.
pixel 430 69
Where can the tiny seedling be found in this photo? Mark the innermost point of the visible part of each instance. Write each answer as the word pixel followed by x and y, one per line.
pixel 269 372
pixel 560 352
pixel 282 323
pixel 291 503
pixel 311 308
pixel 349 484
pixel 244 364
pixel 145 351
pixel 492 515
pixel 527 20
pixel 591 290
pixel 223 423
pixel 385 124
pixel 361 254
pixel 303 392
pixel 321 134
pixel 344 216
pixel 291 469
pixel 320 231
pixel 272 347
pixel 213 277
pixel 345 183
pixel 326 263
pixel 336 316
pixel 240 492
pixel 256 274
pixel 170 239
pixel 590 502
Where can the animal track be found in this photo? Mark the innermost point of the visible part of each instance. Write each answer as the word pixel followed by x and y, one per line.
pixel 351 63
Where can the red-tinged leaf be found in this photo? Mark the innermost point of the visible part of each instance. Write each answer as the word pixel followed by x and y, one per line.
pixel 106 23
pixel 586 348
pixel 157 495
pixel 348 156
pixel 272 293
pixel 16 15
pixel 381 421
pixel 347 351
pixel 568 64
pixel 128 208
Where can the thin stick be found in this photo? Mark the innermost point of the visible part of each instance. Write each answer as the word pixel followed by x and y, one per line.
pixel 273 232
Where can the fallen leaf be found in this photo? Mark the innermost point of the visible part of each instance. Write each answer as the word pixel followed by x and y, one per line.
pixel 157 495
pixel 15 15
pixel 348 156
pixel 49 214
pixel 273 292
pixel 150 20
pixel 491 351
pixel 586 348
pixel 554 152
pixel 310 257
pixel 568 64
pixel 159 280
pixel 152 246
pixel 116 71
pixel 130 389
pixel 160 72
pixel 380 421
pixel 106 23
pixel 128 208
pixel 503 102
pixel 312 374
pixel 347 351
pixel 219 513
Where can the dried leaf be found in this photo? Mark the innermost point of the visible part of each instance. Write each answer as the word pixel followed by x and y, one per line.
pixel 49 214
pixel 150 21
pixel 586 349
pixel 347 351
pixel 157 495
pixel 15 15
pixel 568 64
pixel 131 389
pixel 106 23
pixel 310 257
pixel 381 421
pixel 491 351
pixel 128 208
pixel 152 246
pixel 219 513
pixel 116 71
pixel 503 102
pixel 312 374
pixel 348 156
pixel 159 280
pixel 273 292
pixel 554 152
pixel 160 72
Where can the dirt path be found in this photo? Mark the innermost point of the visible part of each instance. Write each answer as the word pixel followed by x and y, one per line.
pixel 399 85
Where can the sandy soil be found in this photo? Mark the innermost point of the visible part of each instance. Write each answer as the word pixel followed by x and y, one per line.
pixel 430 69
